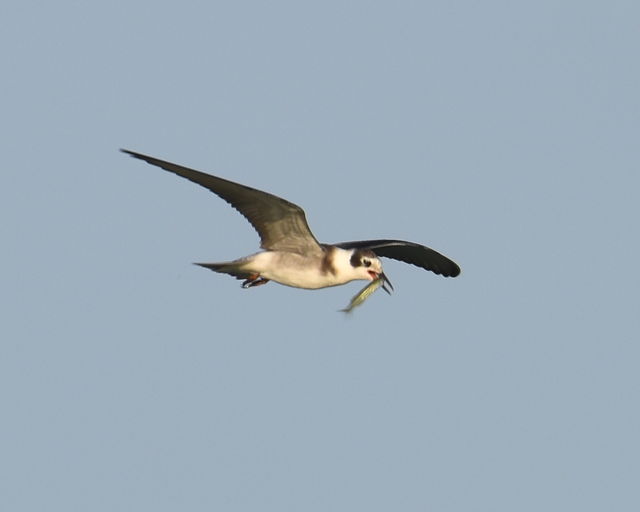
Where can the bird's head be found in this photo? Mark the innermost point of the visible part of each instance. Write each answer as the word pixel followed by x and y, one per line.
pixel 367 266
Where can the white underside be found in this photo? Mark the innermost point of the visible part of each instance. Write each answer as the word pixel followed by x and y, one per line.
pixel 299 271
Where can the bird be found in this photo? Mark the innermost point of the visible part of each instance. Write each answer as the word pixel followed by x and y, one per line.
pixel 291 254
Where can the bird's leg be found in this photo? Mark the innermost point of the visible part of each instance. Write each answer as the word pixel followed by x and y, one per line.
pixel 257 282
pixel 254 280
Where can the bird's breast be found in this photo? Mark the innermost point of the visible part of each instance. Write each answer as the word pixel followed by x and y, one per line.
pixel 298 270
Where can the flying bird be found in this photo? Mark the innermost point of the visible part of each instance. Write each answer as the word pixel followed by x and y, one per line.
pixel 292 256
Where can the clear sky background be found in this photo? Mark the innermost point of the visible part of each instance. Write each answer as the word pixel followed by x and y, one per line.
pixel 503 134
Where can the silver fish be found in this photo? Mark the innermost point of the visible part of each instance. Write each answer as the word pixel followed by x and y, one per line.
pixel 363 294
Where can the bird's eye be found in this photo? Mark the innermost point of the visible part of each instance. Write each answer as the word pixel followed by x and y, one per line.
pixel 366 263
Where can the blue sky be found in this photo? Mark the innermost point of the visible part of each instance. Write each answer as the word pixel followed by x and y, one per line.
pixel 503 134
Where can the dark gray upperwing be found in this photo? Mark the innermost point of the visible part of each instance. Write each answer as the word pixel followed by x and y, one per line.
pixel 281 225
pixel 408 252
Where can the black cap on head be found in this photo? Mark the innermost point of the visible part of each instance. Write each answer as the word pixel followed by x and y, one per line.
pixel 359 254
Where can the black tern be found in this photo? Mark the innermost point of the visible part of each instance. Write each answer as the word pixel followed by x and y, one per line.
pixel 292 256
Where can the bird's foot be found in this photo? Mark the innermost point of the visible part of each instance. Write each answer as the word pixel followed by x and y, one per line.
pixel 254 280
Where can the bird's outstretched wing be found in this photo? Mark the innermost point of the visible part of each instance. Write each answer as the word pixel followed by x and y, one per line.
pixel 281 225
pixel 408 252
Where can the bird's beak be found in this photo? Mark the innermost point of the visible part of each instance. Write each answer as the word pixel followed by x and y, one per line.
pixel 385 282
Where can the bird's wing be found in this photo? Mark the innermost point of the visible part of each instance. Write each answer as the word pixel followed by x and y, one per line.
pixel 408 252
pixel 281 225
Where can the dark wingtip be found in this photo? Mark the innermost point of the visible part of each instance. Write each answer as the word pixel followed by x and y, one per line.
pixel 132 153
pixel 455 272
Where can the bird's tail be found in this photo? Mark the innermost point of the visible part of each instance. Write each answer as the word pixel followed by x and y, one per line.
pixel 233 268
